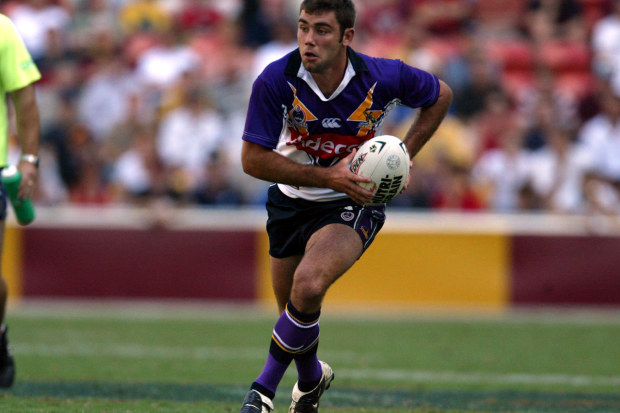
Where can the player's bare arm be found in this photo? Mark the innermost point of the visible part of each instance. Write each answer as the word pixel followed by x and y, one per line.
pixel 263 163
pixel 27 116
pixel 428 120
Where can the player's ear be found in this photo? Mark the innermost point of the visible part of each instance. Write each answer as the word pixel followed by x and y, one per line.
pixel 347 36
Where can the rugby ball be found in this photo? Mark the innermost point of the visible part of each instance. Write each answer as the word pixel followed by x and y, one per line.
pixel 385 160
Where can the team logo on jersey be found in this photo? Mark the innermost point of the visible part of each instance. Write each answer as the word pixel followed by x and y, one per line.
pixel 347 216
pixel 323 148
pixel 299 115
pixel 368 118
pixel 331 123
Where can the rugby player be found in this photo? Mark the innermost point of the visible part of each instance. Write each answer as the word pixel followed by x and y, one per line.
pixel 308 113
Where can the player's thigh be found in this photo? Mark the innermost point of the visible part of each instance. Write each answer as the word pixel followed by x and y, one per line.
pixel 330 252
pixel 282 273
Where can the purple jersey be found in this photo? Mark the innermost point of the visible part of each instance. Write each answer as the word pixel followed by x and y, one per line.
pixel 289 113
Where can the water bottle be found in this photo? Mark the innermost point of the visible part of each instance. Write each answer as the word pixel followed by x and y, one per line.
pixel 24 210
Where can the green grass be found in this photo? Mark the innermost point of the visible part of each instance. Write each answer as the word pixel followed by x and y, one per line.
pixel 110 358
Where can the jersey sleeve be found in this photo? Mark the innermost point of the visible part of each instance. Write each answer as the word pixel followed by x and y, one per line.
pixel 419 88
pixel 17 69
pixel 265 120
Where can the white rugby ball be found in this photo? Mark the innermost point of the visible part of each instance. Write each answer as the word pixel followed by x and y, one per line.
pixel 385 160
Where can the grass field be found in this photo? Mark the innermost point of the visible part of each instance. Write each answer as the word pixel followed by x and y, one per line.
pixel 120 357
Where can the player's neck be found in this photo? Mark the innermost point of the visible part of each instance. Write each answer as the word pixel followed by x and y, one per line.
pixel 329 79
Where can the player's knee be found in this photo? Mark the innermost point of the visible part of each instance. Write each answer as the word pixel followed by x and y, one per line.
pixel 309 288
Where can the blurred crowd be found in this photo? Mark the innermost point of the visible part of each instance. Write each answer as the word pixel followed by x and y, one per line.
pixel 145 100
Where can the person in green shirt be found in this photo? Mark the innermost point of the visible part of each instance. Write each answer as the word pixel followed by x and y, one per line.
pixel 17 76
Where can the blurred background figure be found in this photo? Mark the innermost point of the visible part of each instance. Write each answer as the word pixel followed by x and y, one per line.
pixel 502 172
pixel 557 173
pixel 606 43
pixel 216 187
pixel 38 21
pixel 185 140
pixel 601 138
pixel 138 173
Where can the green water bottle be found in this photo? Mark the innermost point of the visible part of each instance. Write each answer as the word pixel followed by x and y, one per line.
pixel 24 210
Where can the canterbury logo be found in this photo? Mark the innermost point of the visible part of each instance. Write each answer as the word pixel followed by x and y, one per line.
pixel 331 123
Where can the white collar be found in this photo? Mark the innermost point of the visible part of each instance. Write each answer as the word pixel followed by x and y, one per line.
pixel 307 77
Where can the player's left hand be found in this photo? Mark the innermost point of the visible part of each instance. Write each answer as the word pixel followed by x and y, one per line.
pixel 30 174
pixel 408 177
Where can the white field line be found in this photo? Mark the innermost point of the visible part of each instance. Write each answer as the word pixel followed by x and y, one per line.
pixel 139 351
pixel 416 376
pixel 158 352
pixel 249 353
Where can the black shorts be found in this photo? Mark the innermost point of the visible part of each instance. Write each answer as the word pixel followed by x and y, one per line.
pixel 291 221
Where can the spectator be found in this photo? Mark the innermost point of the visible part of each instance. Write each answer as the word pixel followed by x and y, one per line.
pixel 139 174
pixel 254 23
pixel 282 41
pixel 162 65
pixel 557 173
pixel 501 173
pixel 121 136
pixel 57 136
pixel 494 120
pixel 543 105
pixel 456 192
pixel 88 186
pixel 415 50
pixel 90 18
pixel 474 77
pixel 186 138
pixel 35 19
pixel 103 101
pixel 57 53
pixel 601 137
pixel 606 43
pixel 216 188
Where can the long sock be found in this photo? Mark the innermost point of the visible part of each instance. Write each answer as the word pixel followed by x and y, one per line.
pixel 294 333
pixel 309 369
pixel 270 377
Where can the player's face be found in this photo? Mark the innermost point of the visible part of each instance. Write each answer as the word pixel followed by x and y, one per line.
pixel 319 40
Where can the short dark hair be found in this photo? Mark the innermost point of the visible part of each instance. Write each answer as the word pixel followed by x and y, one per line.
pixel 344 10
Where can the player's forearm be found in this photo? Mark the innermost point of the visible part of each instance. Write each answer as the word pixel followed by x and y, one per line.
pixel 428 121
pixel 267 165
pixel 28 122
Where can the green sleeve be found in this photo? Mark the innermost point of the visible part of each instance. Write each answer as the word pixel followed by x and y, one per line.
pixel 17 69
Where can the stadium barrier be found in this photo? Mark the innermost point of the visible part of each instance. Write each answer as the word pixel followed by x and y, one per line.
pixel 423 259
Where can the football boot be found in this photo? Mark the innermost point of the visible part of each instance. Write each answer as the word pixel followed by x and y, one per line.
pixel 308 402
pixel 255 402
